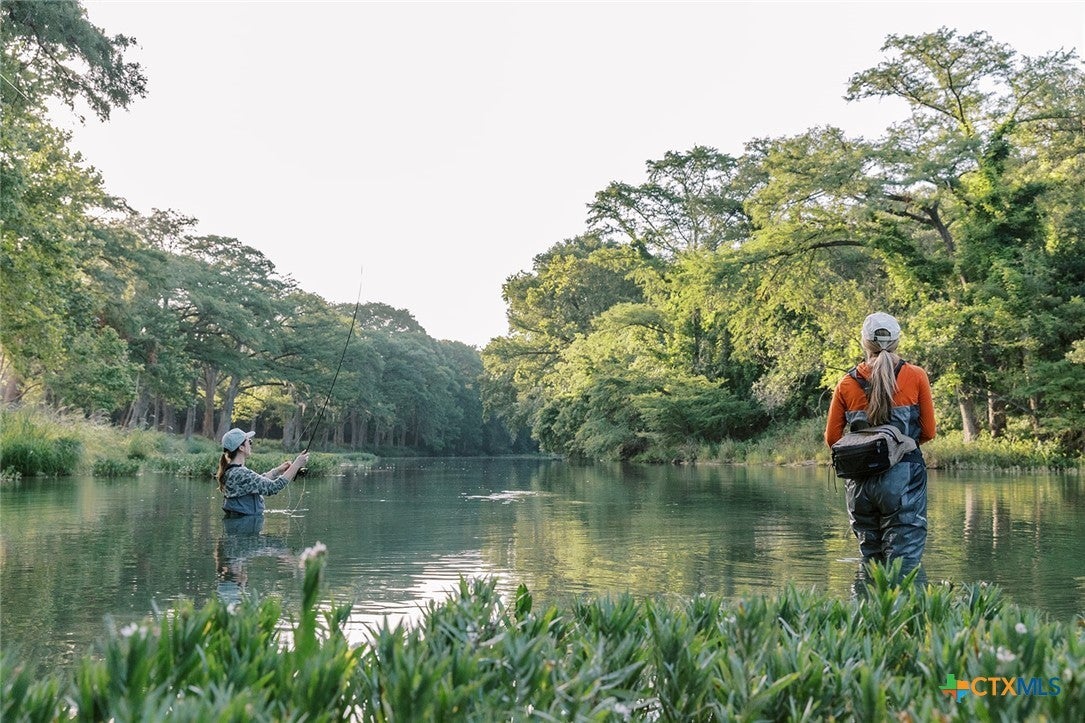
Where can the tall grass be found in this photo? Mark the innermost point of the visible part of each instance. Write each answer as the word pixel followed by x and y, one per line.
pixel 109 467
pixel 41 442
pixel 790 443
pixel 31 448
pixel 800 656
pixel 950 451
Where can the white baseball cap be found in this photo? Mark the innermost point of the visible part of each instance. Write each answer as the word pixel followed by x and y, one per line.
pixel 881 328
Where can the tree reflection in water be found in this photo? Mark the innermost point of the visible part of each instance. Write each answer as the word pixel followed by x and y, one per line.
pixel 243 540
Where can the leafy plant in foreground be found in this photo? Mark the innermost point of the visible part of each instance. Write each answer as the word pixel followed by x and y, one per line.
pixel 799 656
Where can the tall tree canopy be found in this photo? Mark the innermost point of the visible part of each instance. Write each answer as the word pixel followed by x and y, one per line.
pixel 143 320
pixel 753 273
pixel 51 50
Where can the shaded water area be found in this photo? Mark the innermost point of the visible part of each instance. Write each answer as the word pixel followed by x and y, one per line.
pixel 80 555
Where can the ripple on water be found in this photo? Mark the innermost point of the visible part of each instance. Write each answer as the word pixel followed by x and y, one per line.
pixel 506 496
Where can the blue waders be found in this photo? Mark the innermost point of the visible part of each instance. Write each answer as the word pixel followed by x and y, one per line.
pixel 889 512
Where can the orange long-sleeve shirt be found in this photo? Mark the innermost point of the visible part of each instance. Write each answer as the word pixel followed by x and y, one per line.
pixel 913 396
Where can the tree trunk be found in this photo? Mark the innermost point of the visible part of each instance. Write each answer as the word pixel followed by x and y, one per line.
pixel 226 418
pixel 337 437
pixel 210 381
pixel 1034 413
pixel 996 414
pixel 9 379
pixel 190 413
pixel 137 418
pixel 190 421
pixel 11 391
pixel 969 423
pixel 697 352
pixel 292 429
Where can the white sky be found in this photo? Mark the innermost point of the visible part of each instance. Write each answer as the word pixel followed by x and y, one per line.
pixel 441 146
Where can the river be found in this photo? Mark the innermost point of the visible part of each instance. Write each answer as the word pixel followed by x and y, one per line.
pixel 81 554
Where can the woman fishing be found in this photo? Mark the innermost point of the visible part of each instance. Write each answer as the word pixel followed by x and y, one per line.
pixel 244 489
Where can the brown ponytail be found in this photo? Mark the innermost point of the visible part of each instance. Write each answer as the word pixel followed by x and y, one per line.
pixel 225 460
pixel 883 380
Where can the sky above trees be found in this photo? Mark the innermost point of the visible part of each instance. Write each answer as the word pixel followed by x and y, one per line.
pixel 440 147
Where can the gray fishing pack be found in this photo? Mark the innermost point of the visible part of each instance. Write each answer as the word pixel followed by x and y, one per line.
pixel 870 451
pixel 867 450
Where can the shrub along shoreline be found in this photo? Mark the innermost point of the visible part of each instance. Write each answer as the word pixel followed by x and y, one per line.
pixel 801 443
pixel 36 442
pixel 902 651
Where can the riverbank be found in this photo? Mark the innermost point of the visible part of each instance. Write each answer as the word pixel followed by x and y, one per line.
pixel 42 443
pixel 895 651
pixel 36 442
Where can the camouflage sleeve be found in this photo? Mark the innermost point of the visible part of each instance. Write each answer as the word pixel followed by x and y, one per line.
pixel 242 481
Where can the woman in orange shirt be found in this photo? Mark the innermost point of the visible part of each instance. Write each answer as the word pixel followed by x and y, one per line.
pixel 888 512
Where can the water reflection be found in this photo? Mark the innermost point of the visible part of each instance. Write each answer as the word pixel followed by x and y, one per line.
pixel 241 542
pixel 406 601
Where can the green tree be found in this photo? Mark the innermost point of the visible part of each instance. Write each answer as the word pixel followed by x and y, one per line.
pixel 51 50
pixel 230 303
pixel 814 265
pixel 689 203
pixel 99 377
pixel 376 316
pixel 615 395
pixel 548 308
pixel 46 239
pixel 139 284
pixel 961 177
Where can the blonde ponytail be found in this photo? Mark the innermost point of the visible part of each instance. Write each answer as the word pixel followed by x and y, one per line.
pixel 883 380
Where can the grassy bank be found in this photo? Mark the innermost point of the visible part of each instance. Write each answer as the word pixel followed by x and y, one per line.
pixel 801 656
pixel 34 442
pixel 41 443
pixel 802 443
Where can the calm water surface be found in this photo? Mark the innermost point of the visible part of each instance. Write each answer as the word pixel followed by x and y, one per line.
pixel 80 555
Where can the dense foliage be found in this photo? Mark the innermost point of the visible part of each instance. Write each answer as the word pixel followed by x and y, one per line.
pixel 141 320
pixel 887 654
pixel 725 293
pixel 718 298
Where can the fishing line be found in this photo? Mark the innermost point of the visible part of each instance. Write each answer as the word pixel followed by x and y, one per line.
pixel 335 378
pixel 17 90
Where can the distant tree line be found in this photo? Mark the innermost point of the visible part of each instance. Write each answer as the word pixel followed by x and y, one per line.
pixel 725 293
pixel 140 320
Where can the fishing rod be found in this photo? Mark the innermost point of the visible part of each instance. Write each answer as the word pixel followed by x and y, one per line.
pixel 316 427
pixel 354 320
pixel 342 357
